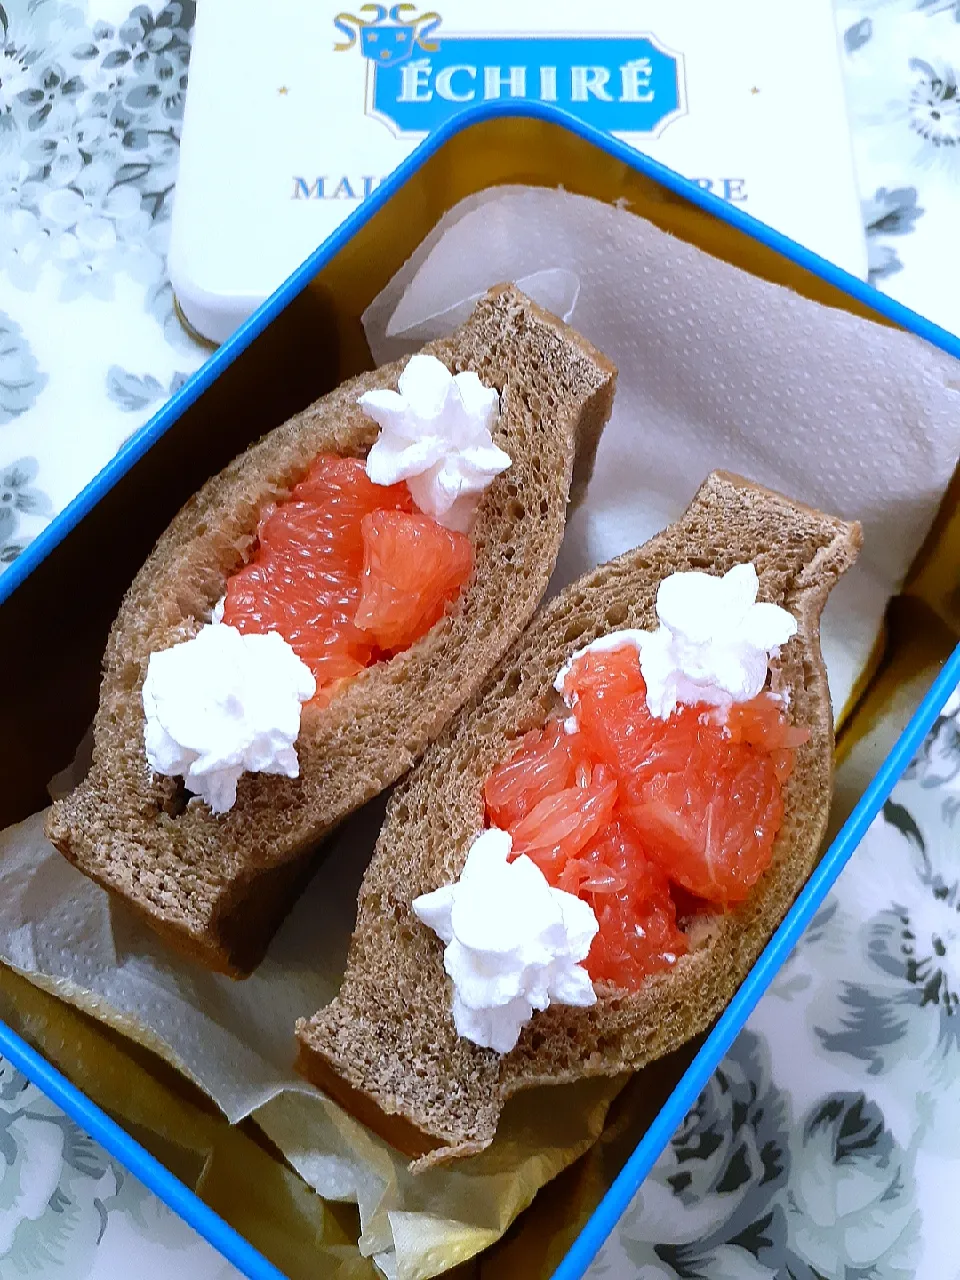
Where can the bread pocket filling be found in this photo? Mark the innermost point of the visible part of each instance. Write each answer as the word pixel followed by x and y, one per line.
pixel 359 563
pixel 653 797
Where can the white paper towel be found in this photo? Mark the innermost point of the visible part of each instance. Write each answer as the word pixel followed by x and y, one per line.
pixel 718 369
pixel 233 1039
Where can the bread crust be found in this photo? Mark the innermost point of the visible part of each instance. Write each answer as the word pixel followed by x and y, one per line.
pixel 389 1035
pixel 215 887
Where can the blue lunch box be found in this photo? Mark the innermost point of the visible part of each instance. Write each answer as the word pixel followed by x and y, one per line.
pixel 55 612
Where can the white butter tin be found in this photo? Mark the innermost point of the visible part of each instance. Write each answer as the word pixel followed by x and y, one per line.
pixel 295 114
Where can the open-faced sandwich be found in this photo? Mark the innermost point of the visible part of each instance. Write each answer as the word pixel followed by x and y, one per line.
pixel 318 612
pixel 581 871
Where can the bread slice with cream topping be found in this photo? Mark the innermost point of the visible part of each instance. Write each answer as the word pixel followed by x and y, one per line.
pixel 217 886
pixel 386 1047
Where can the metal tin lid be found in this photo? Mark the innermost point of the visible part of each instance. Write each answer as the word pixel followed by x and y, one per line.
pixel 295 114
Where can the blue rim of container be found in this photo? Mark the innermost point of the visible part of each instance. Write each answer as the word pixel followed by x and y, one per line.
pixel 175 1194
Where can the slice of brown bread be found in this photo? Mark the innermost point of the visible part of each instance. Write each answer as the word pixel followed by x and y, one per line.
pixel 386 1047
pixel 217 887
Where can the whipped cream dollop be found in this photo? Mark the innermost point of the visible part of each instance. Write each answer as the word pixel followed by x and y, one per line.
pixel 435 434
pixel 513 943
pixel 713 645
pixel 223 704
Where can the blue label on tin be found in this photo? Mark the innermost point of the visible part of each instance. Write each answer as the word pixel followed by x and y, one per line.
pixel 418 79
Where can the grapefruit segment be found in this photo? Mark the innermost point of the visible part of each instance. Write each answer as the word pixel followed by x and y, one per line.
pixel 631 899
pixel 306 578
pixel 557 828
pixel 541 765
pixel 342 487
pixel 711 825
pixel 643 817
pixel 604 675
pixel 610 703
pixel 635 940
pixel 412 568
pixel 762 723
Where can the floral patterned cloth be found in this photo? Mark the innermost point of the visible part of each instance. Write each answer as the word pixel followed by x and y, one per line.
pixel 68 1210
pixel 826 1145
pixel 902 60
pixel 90 112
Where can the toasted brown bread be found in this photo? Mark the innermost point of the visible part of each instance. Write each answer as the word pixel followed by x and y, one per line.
pixel 386 1047
pixel 217 887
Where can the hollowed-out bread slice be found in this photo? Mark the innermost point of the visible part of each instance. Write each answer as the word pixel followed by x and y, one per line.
pixel 217 887
pixel 386 1047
